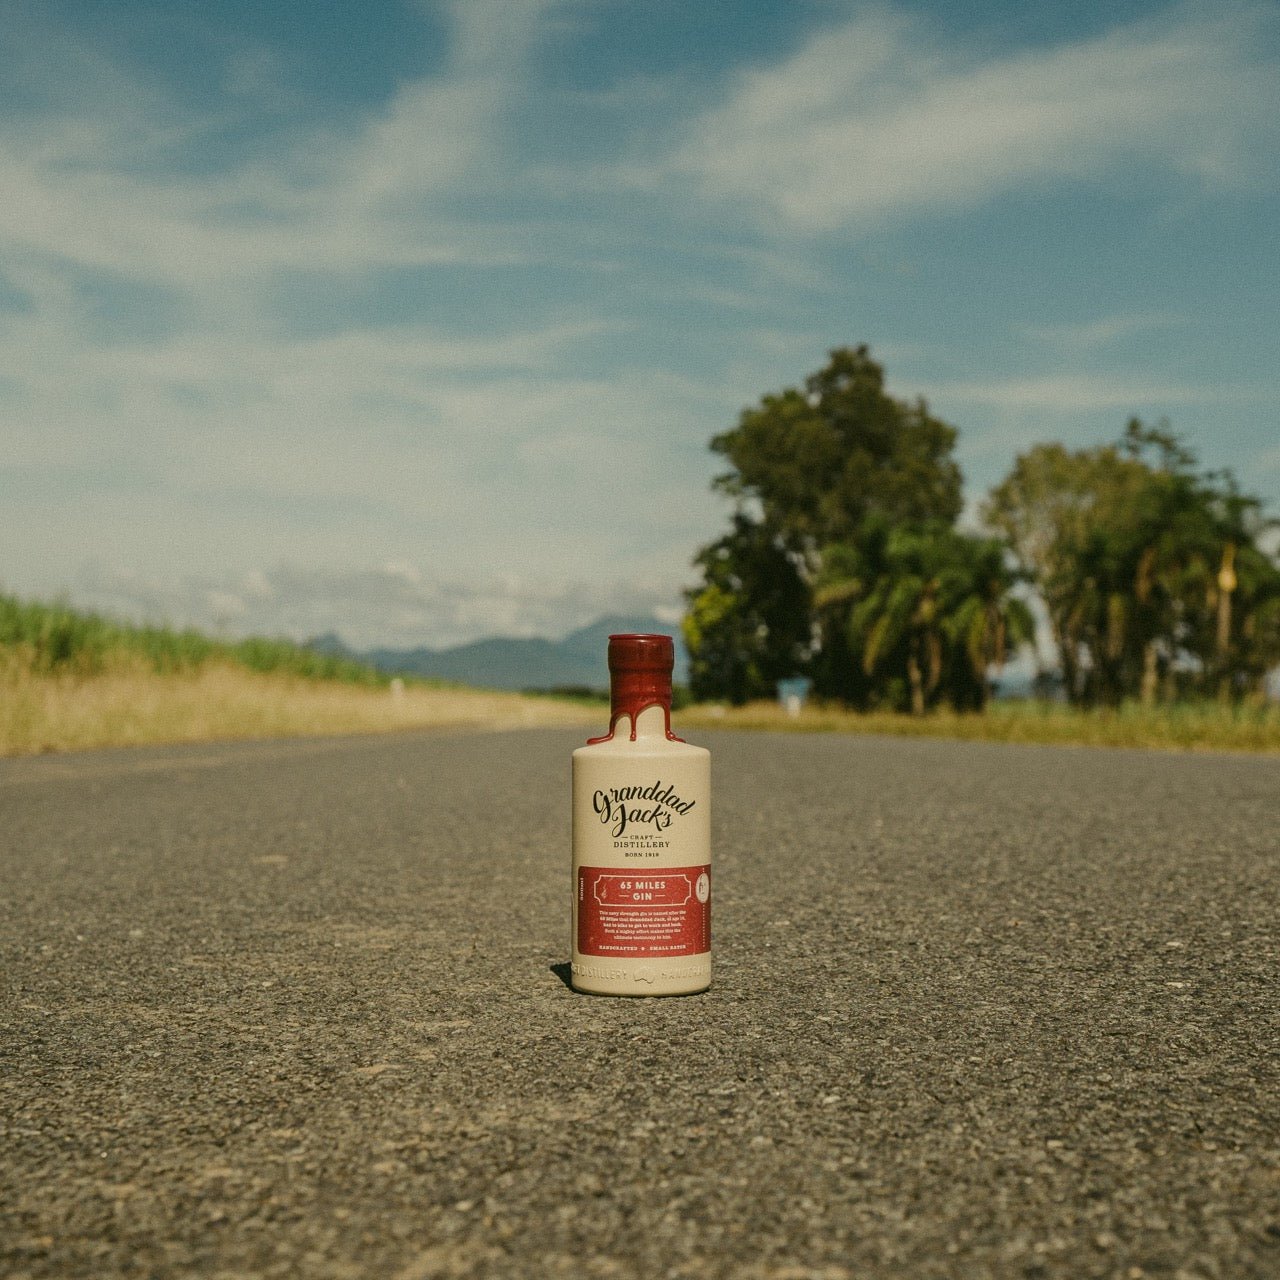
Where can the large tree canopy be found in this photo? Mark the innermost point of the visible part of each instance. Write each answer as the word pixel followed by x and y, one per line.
pixel 821 460
pixel 842 562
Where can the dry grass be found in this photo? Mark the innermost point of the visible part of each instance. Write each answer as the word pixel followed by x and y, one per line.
pixel 1187 727
pixel 130 705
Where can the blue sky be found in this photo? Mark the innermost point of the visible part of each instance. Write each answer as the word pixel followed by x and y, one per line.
pixel 413 320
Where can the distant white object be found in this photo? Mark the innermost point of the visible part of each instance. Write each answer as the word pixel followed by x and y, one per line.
pixel 793 692
pixel 397 689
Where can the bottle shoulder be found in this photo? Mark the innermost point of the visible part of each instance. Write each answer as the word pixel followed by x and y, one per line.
pixel 621 747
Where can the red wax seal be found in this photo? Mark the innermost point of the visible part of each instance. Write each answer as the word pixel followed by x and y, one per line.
pixel 639 677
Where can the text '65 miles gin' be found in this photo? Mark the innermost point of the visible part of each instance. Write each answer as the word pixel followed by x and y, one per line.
pixel 641 839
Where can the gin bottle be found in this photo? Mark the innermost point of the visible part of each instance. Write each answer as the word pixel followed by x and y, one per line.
pixel 641 839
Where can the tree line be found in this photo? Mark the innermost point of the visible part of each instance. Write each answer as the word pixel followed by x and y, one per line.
pixel 843 562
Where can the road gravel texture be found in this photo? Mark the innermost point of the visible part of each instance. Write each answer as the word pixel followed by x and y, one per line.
pixel 299 1009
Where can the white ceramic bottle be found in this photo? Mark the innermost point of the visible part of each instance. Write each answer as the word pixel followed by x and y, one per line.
pixel 641 839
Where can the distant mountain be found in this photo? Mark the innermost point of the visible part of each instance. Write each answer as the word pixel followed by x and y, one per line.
pixel 511 662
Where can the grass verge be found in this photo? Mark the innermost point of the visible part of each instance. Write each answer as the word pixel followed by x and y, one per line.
pixel 131 704
pixel 72 680
pixel 1184 727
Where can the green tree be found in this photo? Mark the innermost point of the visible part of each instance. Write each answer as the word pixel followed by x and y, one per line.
pixel 842 562
pixel 917 615
pixel 747 625
pixel 1229 591
pixel 819 461
pixel 1147 567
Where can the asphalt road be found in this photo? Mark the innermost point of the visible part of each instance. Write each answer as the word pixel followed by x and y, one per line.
pixel 297 1009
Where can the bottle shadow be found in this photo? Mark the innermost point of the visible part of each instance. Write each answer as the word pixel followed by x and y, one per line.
pixel 564 972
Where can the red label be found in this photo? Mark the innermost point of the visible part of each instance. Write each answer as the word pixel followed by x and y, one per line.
pixel 644 913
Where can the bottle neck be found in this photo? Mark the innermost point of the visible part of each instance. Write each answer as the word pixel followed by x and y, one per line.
pixel 643 700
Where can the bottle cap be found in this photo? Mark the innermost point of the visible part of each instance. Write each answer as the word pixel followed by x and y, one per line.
pixel 642 653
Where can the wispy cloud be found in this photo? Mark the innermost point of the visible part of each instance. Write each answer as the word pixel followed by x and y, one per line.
pixel 1105 331
pixel 1085 392
pixel 397 604
pixel 96 180
pixel 173 407
pixel 246 335
pixel 875 117
pixel 456 443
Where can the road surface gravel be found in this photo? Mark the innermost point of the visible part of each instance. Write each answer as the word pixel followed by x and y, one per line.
pixel 299 1009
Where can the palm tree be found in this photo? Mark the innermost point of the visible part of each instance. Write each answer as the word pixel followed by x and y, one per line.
pixel 985 621
pixel 924 613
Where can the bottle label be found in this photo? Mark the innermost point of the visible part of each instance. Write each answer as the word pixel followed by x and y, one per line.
pixel 624 912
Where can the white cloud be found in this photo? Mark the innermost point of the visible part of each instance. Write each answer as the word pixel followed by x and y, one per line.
pixel 876 118
pixel 171 406
pixel 396 605
pixel 1090 335
pixel 90 181
pixel 480 457
pixel 444 130
pixel 223 436
pixel 1073 393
